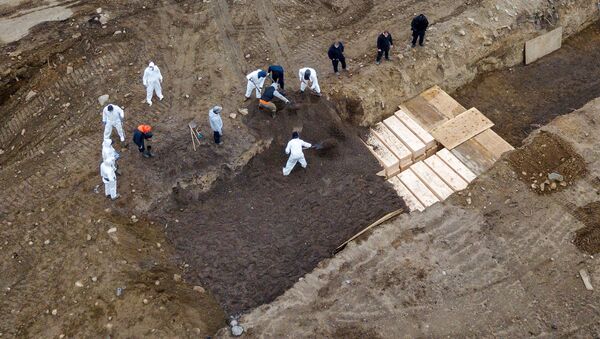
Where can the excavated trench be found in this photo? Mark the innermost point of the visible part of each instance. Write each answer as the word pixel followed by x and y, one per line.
pixel 254 234
pixel 523 98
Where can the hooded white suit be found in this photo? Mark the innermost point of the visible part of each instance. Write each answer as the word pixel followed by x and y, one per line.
pixel 114 119
pixel 152 79
pixel 109 178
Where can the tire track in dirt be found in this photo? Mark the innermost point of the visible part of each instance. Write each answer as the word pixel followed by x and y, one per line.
pixel 272 29
pixel 226 30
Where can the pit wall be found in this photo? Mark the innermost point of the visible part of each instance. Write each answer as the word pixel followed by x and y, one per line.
pixel 487 36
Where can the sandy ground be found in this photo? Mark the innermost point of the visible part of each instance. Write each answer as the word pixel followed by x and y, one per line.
pixel 66 249
pixel 505 265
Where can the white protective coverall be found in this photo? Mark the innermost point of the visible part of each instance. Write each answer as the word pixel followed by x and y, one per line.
pixel 109 178
pixel 216 123
pixel 152 80
pixel 109 152
pixel 313 80
pixel 114 119
pixel 294 149
pixel 254 83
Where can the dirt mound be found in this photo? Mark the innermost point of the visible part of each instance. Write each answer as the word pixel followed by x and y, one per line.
pixel 587 239
pixel 546 154
pixel 256 233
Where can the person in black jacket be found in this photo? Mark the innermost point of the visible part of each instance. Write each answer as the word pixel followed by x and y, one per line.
pixel 384 43
pixel 276 73
pixel 336 54
pixel 419 26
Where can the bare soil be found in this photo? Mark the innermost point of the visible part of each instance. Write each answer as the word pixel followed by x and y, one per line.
pixel 254 234
pixel 523 98
pixel 546 154
pixel 587 239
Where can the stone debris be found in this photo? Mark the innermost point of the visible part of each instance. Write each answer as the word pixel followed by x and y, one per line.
pixel 177 277
pixel 199 289
pixel 237 330
pixel 30 95
pixel 555 177
pixel 243 111
pixel 233 116
pixel 111 230
pixel 78 284
pixel 103 99
pixel 69 70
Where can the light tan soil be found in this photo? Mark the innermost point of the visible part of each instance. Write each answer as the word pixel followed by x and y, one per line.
pixel 60 266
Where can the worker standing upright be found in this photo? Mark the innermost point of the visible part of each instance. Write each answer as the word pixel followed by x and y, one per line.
pixel 336 54
pixel 419 25
pixel 308 76
pixel 267 98
pixel 384 44
pixel 112 116
pixel 109 152
pixel 276 73
pixel 109 178
pixel 256 80
pixel 152 80
pixel 216 123
pixel 142 133
pixel 294 149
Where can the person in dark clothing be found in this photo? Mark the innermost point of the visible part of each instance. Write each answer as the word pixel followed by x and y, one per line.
pixel 140 134
pixel 419 26
pixel 384 44
pixel 276 73
pixel 336 54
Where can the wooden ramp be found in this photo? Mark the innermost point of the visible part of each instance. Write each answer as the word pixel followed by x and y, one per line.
pixel 433 146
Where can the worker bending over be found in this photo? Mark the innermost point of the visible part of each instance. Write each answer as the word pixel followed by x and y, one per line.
pixel 294 149
pixel 112 116
pixel 256 80
pixel 308 76
pixel 142 133
pixel 276 73
pixel 267 98
pixel 109 178
pixel 152 80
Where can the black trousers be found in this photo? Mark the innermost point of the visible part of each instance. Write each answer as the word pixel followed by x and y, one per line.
pixel 383 52
pixel 217 137
pixel 335 63
pixel 420 35
pixel 278 78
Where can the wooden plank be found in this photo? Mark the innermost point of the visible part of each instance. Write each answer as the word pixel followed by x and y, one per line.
pixel 393 143
pixel 493 143
pixel 386 158
pixel 446 173
pixel 432 180
pixel 411 201
pixel 461 128
pixel 586 279
pixel 458 167
pixel 411 141
pixel 417 188
pixel 375 224
pixel 443 102
pixel 422 112
pixel 543 45
pixel 476 157
pixel 419 131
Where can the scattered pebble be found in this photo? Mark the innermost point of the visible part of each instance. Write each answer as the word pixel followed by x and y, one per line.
pixel 111 230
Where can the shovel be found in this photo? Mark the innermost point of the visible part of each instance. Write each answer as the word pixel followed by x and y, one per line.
pixel 324 145
pixel 195 134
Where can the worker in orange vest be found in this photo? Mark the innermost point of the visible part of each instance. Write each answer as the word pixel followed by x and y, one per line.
pixel 141 133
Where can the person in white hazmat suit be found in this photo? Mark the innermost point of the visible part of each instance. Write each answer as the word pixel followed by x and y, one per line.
pixel 109 178
pixel 256 80
pixel 152 80
pixel 112 116
pixel 109 152
pixel 294 149
pixel 308 77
